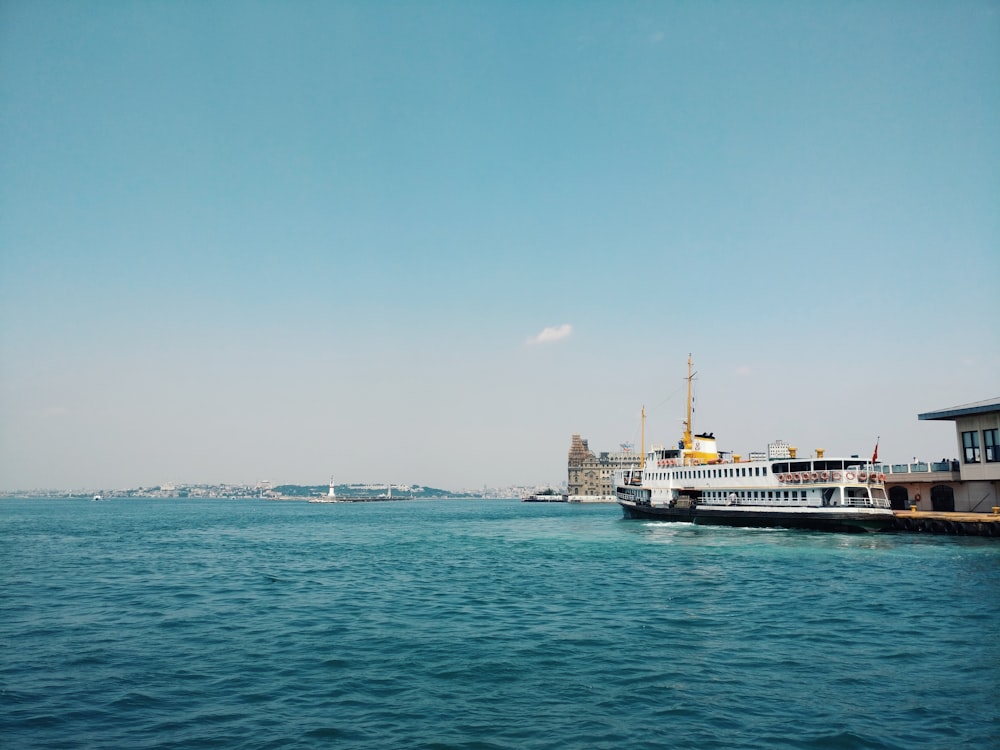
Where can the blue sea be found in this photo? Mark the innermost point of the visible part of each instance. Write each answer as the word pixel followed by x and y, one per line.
pixel 483 624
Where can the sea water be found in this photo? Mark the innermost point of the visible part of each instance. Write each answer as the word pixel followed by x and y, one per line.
pixel 483 624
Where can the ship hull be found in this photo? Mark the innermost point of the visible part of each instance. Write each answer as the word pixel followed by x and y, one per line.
pixel 657 513
pixel 842 520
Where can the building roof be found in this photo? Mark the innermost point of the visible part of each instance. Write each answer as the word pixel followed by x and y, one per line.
pixel 954 412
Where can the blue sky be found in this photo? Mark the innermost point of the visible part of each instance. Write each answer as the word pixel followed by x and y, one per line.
pixel 257 240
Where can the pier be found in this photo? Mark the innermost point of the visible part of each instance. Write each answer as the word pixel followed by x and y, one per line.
pixel 956 524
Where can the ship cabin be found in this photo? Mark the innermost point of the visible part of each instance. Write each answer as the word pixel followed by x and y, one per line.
pixel 706 476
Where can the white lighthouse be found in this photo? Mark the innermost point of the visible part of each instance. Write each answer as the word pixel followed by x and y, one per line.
pixel 333 492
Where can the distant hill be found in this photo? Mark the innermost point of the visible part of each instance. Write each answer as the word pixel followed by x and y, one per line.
pixel 360 490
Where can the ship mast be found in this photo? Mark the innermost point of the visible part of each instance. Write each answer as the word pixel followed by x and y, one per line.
pixel 642 455
pixel 687 424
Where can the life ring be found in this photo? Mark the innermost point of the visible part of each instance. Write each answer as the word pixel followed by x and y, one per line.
pixel 850 476
pixel 917 497
pixel 814 476
pixel 836 476
pixel 862 476
pixel 824 476
pixel 881 477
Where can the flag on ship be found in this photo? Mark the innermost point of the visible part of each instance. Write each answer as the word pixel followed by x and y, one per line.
pixel 875 454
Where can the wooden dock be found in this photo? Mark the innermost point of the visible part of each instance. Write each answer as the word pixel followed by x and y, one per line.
pixel 958 524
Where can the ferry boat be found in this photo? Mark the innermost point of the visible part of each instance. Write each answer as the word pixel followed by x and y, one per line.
pixel 697 483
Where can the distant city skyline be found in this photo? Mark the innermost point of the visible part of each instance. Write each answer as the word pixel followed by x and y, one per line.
pixel 432 241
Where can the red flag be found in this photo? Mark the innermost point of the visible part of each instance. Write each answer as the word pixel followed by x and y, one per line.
pixel 875 454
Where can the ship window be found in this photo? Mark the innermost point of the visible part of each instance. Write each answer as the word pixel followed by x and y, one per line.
pixel 770 496
pixel 764 471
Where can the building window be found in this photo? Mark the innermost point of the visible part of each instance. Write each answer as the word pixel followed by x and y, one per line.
pixel 970 443
pixel 992 445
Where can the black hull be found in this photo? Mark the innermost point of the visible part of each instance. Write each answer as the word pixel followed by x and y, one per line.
pixel 657 514
pixel 844 521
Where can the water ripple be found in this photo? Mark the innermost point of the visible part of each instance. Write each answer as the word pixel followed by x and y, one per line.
pixel 188 624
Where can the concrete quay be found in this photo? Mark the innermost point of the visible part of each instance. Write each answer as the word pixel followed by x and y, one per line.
pixel 958 524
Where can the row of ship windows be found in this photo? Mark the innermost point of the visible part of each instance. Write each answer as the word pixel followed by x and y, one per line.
pixel 759 495
pixel 740 471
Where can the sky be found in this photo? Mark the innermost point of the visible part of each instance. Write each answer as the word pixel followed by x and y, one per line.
pixel 428 242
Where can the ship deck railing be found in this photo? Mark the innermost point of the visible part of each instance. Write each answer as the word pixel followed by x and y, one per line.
pixel 861 502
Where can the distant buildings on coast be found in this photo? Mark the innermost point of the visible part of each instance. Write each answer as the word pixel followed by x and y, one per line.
pixel 589 474
pixel 268 491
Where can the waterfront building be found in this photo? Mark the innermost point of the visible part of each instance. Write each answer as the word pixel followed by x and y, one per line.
pixel 590 474
pixel 970 483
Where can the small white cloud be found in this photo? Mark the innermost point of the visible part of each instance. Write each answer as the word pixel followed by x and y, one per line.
pixel 552 333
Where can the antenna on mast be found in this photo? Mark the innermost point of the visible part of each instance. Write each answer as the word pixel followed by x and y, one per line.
pixel 687 424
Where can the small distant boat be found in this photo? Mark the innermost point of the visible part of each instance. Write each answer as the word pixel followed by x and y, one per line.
pixel 546 497
pixel 98 497
pixel 695 482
